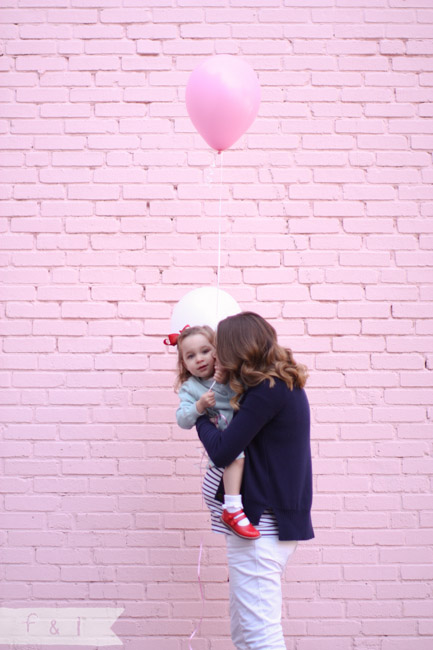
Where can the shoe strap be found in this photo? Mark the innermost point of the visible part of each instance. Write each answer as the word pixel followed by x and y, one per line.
pixel 238 516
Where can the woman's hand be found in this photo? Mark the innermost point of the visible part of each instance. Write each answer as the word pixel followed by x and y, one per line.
pixel 207 400
pixel 220 374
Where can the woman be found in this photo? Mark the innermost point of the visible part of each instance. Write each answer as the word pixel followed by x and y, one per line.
pixel 272 425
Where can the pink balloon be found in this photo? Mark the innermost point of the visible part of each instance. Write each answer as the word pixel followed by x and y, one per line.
pixel 222 99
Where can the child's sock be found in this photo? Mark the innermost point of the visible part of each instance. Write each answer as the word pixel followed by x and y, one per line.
pixel 233 503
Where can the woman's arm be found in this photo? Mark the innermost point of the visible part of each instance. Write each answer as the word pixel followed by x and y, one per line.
pixel 260 405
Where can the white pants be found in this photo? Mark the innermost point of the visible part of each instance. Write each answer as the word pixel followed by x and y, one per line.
pixel 255 570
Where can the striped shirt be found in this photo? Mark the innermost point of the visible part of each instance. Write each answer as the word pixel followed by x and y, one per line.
pixel 212 479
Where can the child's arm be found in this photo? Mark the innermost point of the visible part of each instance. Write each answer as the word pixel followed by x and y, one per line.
pixel 190 408
pixel 207 400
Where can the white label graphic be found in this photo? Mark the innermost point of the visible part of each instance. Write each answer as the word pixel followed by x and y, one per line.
pixel 59 626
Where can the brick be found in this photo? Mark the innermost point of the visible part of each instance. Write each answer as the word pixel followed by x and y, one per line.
pixel 398 414
pixel 330 414
pixel 330 292
pixel 94 192
pixel 420 258
pixel 386 327
pixel 309 258
pixel 317 191
pixel 366 94
pixel 352 276
pixel 338 208
pixel 364 258
pixel 345 79
pixel 384 110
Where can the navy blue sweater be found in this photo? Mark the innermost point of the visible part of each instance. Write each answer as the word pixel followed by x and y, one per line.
pixel 272 426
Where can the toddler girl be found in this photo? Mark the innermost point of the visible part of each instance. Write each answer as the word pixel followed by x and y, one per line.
pixel 200 391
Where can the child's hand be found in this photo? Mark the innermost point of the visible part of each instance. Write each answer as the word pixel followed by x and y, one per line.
pixel 220 374
pixel 207 400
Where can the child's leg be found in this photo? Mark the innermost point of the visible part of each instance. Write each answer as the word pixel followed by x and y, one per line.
pixel 232 478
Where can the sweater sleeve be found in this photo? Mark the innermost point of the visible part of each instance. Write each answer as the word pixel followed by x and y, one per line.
pixel 260 405
pixel 186 414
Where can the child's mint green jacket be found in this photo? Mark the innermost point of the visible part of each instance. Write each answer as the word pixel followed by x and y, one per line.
pixel 191 391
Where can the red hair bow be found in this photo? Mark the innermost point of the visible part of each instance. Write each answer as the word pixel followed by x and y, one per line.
pixel 172 338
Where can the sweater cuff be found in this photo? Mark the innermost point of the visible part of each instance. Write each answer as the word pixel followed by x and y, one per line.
pixel 199 415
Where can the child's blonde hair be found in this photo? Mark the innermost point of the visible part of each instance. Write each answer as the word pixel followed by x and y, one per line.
pixel 182 373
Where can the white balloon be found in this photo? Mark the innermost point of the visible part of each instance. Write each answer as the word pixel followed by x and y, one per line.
pixel 204 306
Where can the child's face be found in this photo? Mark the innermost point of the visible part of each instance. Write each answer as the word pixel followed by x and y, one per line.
pixel 198 356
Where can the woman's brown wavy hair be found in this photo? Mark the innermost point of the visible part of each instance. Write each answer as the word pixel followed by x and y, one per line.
pixel 182 373
pixel 247 348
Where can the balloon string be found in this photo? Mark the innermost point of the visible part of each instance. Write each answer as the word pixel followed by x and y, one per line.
pixel 219 234
pixel 198 626
pixel 200 584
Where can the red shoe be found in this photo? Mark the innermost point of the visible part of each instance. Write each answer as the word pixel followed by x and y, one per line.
pixel 231 520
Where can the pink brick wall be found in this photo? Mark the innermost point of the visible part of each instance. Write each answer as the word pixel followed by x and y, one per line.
pixel 109 216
